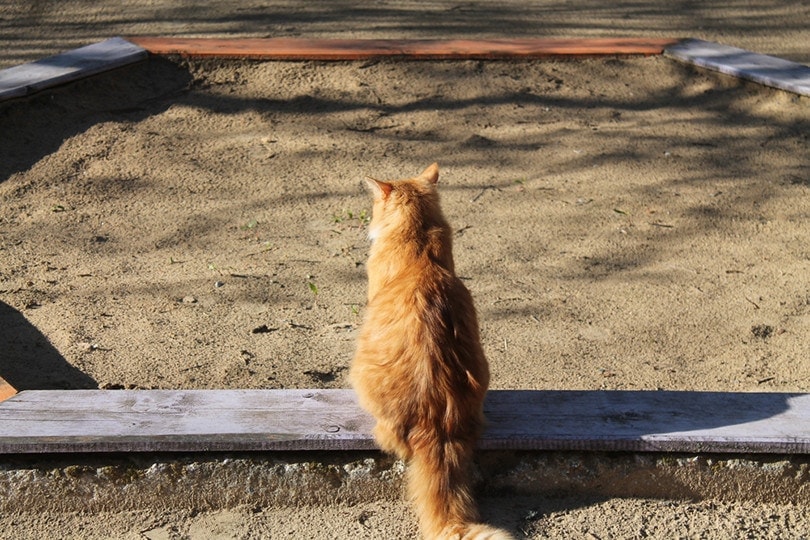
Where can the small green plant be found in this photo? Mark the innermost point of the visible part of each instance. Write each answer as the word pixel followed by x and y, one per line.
pixel 311 284
pixel 249 225
pixel 363 217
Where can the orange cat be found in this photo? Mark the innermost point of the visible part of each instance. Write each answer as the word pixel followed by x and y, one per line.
pixel 419 368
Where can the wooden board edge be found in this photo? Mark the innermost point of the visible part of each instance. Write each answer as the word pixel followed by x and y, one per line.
pixel 204 444
pixel 6 390
pixel 26 79
pixel 246 442
pixel 412 49
pixel 171 445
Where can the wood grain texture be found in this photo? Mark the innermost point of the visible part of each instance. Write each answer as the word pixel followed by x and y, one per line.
pixel 37 421
pixel 767 70
pixel 26 79
pixel 364 49
pixel 6 390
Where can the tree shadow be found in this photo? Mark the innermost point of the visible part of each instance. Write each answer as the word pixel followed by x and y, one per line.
pixel 618 421
pixel 146 89
pixel 28 360
pixel 322 108
pixel 44 121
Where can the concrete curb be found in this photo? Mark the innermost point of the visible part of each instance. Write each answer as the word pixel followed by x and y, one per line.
pixel 97 483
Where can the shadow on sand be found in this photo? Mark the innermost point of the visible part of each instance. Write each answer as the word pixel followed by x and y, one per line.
pixel 28 361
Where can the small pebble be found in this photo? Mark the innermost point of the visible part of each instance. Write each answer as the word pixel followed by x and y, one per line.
pixel 218 284
pixel 189 300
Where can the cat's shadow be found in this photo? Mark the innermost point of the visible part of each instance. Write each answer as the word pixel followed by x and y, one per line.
pixel 28 360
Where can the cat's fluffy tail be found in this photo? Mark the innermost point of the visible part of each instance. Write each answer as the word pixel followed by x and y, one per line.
pixel 439 484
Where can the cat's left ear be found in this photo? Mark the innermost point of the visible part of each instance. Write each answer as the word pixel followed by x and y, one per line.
pixel 431 174
pixel 380 189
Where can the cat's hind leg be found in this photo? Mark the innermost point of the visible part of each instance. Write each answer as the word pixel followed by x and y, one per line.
pixel 390 439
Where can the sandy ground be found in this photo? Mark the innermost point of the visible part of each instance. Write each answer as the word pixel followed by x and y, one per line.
pixel 558 518
pixel 622 224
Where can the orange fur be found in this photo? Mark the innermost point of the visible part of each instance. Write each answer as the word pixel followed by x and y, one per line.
pixel 419 368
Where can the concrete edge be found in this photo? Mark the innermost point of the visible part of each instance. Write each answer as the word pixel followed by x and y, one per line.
pixel 212 482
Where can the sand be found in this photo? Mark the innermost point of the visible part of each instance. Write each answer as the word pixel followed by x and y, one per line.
pixel 622 223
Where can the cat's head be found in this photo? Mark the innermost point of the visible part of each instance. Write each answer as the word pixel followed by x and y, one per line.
pixel 404 203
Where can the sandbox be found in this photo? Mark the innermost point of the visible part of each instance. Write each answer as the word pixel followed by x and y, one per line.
pixel 623 223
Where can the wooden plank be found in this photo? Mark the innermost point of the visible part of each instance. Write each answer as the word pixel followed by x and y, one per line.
pixel 37 421
pixel 425 49
pixel 767 70
pixel 6 390
pixel 650 421
pixel 188 420
pixel 26 79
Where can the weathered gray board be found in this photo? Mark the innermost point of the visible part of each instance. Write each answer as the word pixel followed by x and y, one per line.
pixel 767 70
pixel 26 79
pixel 36 421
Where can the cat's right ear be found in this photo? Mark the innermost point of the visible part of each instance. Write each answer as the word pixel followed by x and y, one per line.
pixel 380 189
pixel 431 174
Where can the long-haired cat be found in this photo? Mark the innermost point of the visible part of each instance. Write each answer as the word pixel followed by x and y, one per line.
pixel 419 368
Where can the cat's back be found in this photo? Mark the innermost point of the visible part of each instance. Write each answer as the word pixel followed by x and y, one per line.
pixel 423 320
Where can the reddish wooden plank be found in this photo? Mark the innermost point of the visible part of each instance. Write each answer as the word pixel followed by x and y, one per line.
pixel 363 49
pixel 6 390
